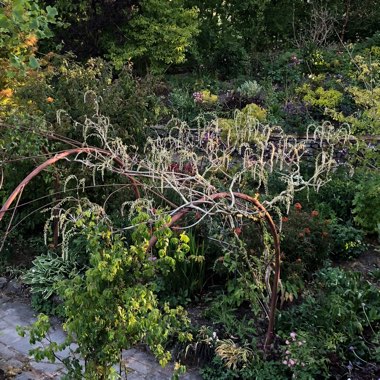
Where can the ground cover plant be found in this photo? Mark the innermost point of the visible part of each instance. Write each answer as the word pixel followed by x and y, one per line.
pixel 215 190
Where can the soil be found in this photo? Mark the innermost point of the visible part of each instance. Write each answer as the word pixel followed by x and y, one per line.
pixel 366 263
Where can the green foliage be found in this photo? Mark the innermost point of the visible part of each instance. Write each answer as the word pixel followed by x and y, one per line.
pixel 224 313
pixel 187 280
pixel 348 242
pixel 78 89
pixel 306 242
pixel 217 371
pixel 157 35
pixel 51 306
pixel 256 369
pixel 232 354
pixel 302 356
pixel 334 200
pixel 183 105
pixel 319 97
pixel 22 24
pixel 238 130
pixel 113 306
pixel 249 89
pixel 208 97
pixel 113 301
pixel 228 34
pixel 47 271
pixel 39 332
pixel 367 204
pixel 340 316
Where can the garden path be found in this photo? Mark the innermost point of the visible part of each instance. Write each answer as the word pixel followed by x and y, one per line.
pixel 15 362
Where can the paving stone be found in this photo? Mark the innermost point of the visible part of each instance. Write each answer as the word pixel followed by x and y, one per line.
pixel 4 299
pixel 57 335
pixel 158 376
pixel 3 282
pixel 129 353
pixel 3 325
pixel 22 345
pixel 144 357
pixel 13 367
pixel 6 353
pixel 18 314
pixel 191 376
pixel 9 336
pixel 14 286
pixel 135 376
pixel 28 376
pixel 49 368
pixel 137 366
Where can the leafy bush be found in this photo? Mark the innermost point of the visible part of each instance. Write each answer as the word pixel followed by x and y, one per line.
pixel 155 34
pixel 320 97
pixel 186 281
pixel 22 24
pixel 302 357
pixel 239 129
pixel 113 305
pixel 340 316
pixel 367 204
pixel 78 89
pixel 306 241
pixel 347 241
pixel 255 369
pixel 183 105
pixel 249 89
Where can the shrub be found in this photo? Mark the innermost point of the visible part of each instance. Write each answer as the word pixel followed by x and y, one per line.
pixel 249 89
pixel 302 357
pixel 78 89
pixel 367 204
pixel 319 97
pixel 155 34
pixel 239 129
pixel 340 317
pixel 113 305
pixel 305 241
pixel 347 241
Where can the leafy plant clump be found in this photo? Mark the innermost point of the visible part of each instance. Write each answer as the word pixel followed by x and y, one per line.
pixel 367 205
pixel 113 305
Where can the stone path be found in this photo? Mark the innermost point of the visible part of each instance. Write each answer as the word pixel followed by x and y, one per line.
pixel 15 362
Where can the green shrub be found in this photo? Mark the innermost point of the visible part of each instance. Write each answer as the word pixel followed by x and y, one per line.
pixel 249 89
pixel 340 315
pixel 367 204
pixel 183 105
pixel 78 89
pixel 113 305
pixel 347 241
pixel 319 97
pixel 306 241
pixel 154 35
pixel 186 281
pixel 303 357
pixel 256 369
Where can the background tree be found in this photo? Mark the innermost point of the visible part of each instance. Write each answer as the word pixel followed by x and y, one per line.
pixel 151 33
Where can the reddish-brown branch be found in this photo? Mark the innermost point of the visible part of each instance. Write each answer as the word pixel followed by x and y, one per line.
pixel 276 240
pixel 52 161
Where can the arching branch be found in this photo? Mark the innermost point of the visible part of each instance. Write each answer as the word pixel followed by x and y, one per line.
pixel 52 161
pixel 276 240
